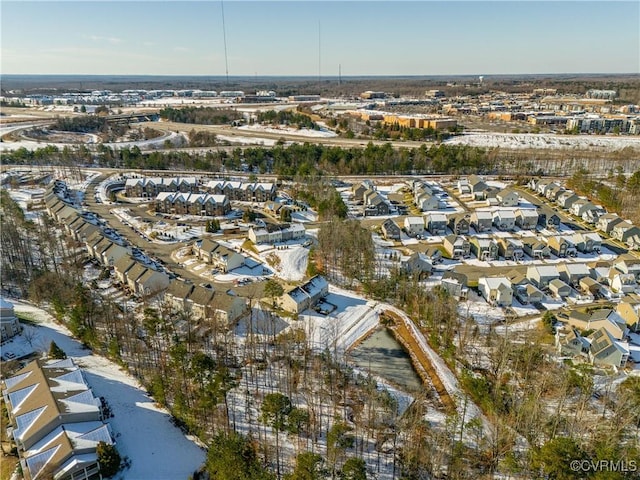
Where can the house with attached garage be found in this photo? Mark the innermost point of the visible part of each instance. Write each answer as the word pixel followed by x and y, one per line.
pixel 507 198
pixel 306 295
pixel 375 204
pixel 571 273
pixel 561 246
pixel 593 214
pixel 459 223
pixel 414 226
pixel 482 221
pixel 523 290
pixel 436 223
pixel 477 187
pixel 511 248
pixel 535 248
pixel 417 264
pixel 622 282
pixel 496 290
pixel 590 286
pixel 110 256
pixel 581 206
pixel 542 275
pixel 547 218
pixel 456 246
pixel 463 186
pixel 607 222
pixel 605 350
pixel 151 283
pixel 220 256
pixel 121 268
pixel 504 220
pixel 526 218
pixel 485 249
pixel 569 342
pixel 426 202
pixel 566 199
pixel 390 230
pixel 554 192
pixel 558 288
pixel 628 263
pixel 629 311
pixel 455 284
pixel 176 295
pixel 587 242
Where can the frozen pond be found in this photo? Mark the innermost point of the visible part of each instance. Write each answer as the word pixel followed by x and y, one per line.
pixel 383 356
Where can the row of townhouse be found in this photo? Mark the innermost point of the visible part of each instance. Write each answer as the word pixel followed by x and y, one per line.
pixel 424 198
pixel 56 421
pixel 622 230
pixel 150 187
pixel 202 204
pixel 201 302
pixel 243 191
pixel 276 233
pixel 305 296
pixel 220 256
pixel 568 200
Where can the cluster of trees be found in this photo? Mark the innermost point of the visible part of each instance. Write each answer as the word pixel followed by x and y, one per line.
pixel 287 117
pixel 396 132
pixel 322 197
pixel 83 124
pixel 200 115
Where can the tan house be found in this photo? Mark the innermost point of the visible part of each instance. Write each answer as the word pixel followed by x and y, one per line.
pixel 151 283
pixel 220 256
pixel 457 246
pixel 306 295
pixel 122 266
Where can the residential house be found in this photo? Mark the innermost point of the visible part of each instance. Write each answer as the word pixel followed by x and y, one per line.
pixel 527 294
pixel 199 301
pixel 477 187
pixel 306 295
pixel 504 220
pixel 496 290
pixel 426 202
pixel 628 263
pixel 607 351
pixel 607 222
pixel 542 275
pixel 629 311
pixel 535 248
pixel 133 274
pixel 566 199
pixel 571 273
pixel 622 282
pixel 228 308
pixel 434 254
pixel 511 249
pixel 571 343
pixel 482 221
pixel 391 230
pixel 545 186
pixel 358 190
pixel 623 230
pixel 590 286
pixel 507 198
pixel 554 192
pixel 176 295
pixel 561 246
pixel 110 256
pixel 414 226
pixel 220 256
pixel 459 223
pixel 375 204
pixel 456 246
pixel 463 186
pixel 455 284
pixel 9 324
pixel 276 233
pixel 417 264
pixel 593 214
pixel 436 223
pixel 606 318
pixel 587 242
pixel 122 266
pixel 547 218
pixel 558 288
pixel 579 207
pixel 485 249
pixel 151 283
pixel 526 218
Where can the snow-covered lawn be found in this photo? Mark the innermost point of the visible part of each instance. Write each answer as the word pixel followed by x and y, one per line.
pixel 144 432
pixel 303 132
pixel 292 264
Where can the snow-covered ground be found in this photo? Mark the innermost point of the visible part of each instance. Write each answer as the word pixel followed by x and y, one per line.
pixel 545 141
pixel 144 432
pixel 293 262
pixel 302 132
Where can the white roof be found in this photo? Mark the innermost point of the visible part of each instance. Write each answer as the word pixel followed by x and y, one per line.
pixel 495 282
pixel 546 270
pixel 414 221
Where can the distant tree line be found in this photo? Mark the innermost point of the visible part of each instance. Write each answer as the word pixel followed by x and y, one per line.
pixel 287 117
pixel 200 115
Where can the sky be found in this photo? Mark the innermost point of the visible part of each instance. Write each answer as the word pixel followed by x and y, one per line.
pixel 314 38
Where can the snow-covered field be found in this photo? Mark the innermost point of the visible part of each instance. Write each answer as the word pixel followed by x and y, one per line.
pixel 545 141
pixel 293 262
pixel 302 132
pixel 144 432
